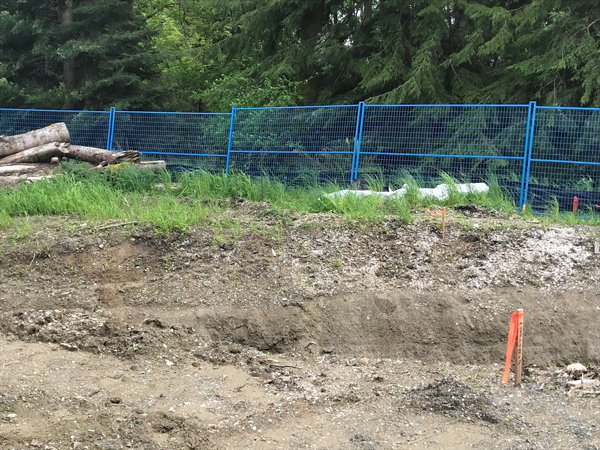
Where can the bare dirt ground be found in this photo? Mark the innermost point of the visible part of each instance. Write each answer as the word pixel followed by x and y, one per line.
pixel 267 329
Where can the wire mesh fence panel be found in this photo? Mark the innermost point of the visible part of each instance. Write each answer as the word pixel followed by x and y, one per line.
pixel 564 160
pixel 296 145
pixel 186 141
pixel 89 128
pixel 470 143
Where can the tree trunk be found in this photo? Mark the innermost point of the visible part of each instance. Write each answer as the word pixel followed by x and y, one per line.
pixel 65 12
pixel 11 181
pixel 10 145
pixel 310 27
pixel 43 153
pixel 90 154
pixel 312 22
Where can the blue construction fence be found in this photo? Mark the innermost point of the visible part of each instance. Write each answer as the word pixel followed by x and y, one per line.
pixel 541 156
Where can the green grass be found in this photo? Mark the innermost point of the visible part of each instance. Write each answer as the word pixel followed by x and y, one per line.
pixel 95 198
pixel 131 194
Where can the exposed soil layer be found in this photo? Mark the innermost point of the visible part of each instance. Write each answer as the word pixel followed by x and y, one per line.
pixel 269 329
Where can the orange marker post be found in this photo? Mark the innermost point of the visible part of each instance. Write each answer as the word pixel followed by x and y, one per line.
pixel 443 223
pixel 519 352
pixel 515 338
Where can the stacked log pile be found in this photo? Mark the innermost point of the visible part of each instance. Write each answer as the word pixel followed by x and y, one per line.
pixel 29 156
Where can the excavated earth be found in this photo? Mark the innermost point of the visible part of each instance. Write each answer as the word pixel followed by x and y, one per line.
pixel 271 329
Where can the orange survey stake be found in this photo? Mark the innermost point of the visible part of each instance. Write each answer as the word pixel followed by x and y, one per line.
pixel 513 335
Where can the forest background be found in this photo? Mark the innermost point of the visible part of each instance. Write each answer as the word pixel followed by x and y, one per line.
pixel 208 55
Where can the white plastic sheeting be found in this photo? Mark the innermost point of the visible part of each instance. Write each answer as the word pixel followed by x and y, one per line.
pixel 439 192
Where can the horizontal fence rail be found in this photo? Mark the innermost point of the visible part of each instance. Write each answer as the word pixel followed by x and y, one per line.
pixel 541 156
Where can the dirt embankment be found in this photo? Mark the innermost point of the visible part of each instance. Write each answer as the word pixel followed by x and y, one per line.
pixel 280 282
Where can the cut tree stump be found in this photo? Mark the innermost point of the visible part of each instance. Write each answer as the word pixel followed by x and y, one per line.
pixel 9 145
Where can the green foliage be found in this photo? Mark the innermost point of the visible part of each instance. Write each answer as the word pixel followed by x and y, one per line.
pixel 193 199
pixel 212 54
pixel 107 47
pixel 126 195
pixel 237 90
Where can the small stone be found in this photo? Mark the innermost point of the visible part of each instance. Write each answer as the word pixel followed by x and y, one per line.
pixel 70 347
pixel 576 368
pixel 112 445
pixel 11 416
pixel 327 349
pixel 196 364
pixel 115 400
pixel 363 361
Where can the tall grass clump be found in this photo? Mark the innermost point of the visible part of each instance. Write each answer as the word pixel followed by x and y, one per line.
pixel 413 195
pixel 5 220
pixel 494 199
pixel 204 185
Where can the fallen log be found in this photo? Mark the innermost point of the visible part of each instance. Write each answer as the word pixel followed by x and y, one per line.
pixel 155 166
pixel 25 169
pixel 11 181
pixel 130 156
pixel 9 145
pixel 47 152
pixel 14 181
pixel 90 154
pixel 43 153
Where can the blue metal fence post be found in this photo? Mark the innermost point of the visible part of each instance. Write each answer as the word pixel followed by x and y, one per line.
pixel 356 134
pixel 525 153
pixel 230 140
pixel 111 128
pixel 358 139
pixel 528 154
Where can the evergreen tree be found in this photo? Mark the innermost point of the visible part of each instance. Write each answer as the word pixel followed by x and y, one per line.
pixel 89 54
pixel 345 51
pixel 544 50
pixel 423 51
